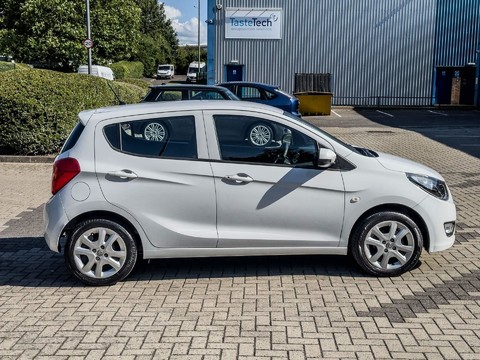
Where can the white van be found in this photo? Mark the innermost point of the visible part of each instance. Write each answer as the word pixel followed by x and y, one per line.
pixel 97 70
pixel 196 68
pixel 166 71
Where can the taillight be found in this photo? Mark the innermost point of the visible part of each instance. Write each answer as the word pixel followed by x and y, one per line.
pixel 64 170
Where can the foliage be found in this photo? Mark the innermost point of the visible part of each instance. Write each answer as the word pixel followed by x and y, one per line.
pixel 158 43
pixel 188 54
pixel 127 69
pixel 49 33
pixel 115 29
pixel 144 84
pixel 5 66
pixel 39 108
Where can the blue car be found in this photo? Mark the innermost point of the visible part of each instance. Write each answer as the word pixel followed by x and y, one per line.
pixel 264 94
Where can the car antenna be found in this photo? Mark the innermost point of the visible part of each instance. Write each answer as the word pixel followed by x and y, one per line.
pixel 120 102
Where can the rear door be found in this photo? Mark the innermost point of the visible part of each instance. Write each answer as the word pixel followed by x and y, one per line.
pixel 155 168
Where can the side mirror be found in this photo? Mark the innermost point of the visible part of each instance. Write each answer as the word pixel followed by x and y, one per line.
pixel 326 158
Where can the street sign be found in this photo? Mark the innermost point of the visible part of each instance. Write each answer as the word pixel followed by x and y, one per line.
pixel 88 43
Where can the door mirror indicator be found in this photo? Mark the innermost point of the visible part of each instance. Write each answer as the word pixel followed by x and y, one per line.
pixel 326 158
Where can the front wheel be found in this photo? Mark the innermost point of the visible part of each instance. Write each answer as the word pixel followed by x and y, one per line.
pixel 100 252
pixel 387 244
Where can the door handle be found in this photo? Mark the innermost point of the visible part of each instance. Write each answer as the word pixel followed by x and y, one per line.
pixel 123 174
pixel 239 178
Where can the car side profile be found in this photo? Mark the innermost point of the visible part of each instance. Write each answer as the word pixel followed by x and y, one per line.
pixel 178 92
pixel 202 188
pixel 264 94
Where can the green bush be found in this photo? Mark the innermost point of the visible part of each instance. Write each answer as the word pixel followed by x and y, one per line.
pixel 39 108
pixel 144 84
pixel 127 69
pixel 5 66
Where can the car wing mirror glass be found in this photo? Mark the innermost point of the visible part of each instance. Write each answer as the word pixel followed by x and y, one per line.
pixel 326 158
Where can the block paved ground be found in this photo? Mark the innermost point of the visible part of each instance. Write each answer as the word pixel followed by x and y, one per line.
pixel 255 308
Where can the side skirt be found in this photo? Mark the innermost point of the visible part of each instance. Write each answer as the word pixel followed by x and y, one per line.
pixel 252 251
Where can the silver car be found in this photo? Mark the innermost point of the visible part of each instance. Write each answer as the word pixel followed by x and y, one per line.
pixel 208 178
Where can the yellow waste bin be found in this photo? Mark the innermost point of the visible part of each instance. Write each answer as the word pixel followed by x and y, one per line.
pixel 315 103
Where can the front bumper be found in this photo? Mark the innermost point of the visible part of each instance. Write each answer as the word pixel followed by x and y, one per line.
pixel 54 219
pixel 436 213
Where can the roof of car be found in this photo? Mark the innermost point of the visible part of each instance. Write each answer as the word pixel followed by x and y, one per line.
pixel 186 86
pixel 171 106
pixel 249 83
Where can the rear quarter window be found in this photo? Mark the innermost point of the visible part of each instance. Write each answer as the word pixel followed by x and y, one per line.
pixel 73 137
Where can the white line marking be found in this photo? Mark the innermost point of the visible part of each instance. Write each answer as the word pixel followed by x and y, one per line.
pixel 457 136
pixel 336 113
pixel 384 113
pixel 438 113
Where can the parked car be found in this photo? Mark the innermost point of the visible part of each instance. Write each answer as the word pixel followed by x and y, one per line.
pixel 176 92
pixel 197 71
pixel 264 94
pixel 166 71
pixel 97 70
pixel 201 188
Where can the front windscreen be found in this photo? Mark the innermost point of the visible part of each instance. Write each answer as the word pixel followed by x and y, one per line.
pixel 164 68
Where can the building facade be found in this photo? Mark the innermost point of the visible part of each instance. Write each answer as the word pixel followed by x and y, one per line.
pixel 390 52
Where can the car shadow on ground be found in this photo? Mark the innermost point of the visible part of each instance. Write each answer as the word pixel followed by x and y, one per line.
pixel 457 129
pixel 27 262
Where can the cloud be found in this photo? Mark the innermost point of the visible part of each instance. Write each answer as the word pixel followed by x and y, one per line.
pixel 188 31
pixel 171 12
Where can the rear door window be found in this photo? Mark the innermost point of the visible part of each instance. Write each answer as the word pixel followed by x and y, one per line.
pixel 172 137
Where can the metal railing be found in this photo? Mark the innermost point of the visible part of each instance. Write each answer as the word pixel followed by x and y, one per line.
pixel 382 101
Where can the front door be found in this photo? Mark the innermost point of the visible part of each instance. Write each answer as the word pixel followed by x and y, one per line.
pixel 234 72
pixel 270 193
pixel 152 168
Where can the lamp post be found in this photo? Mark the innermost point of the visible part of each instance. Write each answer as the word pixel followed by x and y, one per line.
pixel 89 49
pixel 198 73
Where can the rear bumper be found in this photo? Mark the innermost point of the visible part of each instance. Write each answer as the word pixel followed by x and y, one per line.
pixel 54 219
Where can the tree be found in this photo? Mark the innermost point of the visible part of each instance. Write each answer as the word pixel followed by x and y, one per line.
pixel 115 29
pixel 49 33
pixel 158 43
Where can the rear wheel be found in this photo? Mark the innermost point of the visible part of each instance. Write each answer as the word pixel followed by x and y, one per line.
pixel 387 244
pixel 100 252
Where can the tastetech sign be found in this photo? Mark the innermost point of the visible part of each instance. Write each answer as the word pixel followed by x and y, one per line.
pixel 253 23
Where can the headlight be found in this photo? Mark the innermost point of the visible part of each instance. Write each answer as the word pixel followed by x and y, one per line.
pixel 433 186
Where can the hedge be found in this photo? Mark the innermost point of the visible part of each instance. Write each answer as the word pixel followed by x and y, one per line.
pixel 39 108
pixel 127 69
pixel 6 66
pixel 144 84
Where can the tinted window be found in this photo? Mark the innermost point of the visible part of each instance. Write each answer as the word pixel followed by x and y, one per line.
pixel 270 95
pixel 164 137
pixel 248 92
pixel 206 95
pixel 74 135
pixel 256 140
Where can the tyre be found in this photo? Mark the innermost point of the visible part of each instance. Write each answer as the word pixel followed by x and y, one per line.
pixel 386 244
pixel 100 252
pixel 260 134
pixel 155 131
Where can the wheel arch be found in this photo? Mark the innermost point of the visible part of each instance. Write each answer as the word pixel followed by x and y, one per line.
pixel 107 215
pixel 396 208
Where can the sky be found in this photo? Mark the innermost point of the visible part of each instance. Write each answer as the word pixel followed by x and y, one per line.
pixel 183 14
